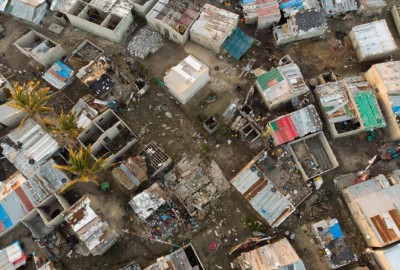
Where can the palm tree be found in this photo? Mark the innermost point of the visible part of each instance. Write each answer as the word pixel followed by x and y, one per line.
pixel 64 125
pixel 31 99
pixel 83 166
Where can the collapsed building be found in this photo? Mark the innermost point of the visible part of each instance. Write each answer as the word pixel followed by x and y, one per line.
pixel 212 27
pixel 313 155
pixel 187 78
pixel 86 109
pixel 374 207
pixel 173 18
pixel 330 238
pixel 278 254
pixel 264 13
pixel 131 173
pixel 107 19
pixel 302 25
pixel 184 258
pixel 195 184
pixel 39 48
pixel 384 78
pixel 108 136
pixel 32 11
pixel 372 41
pixel 294 125
pixel 279 85
pixel 349 107
pixel 94 233
pixel 29 149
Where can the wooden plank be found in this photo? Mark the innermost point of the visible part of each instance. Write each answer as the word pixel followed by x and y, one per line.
pixel 394 213
pixel 258 189
pixel 253 187
pixel 386 234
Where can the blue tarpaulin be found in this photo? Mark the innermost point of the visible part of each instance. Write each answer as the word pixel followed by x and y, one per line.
pixel 396 110
pixel 4 218
pixel 238 44
pixel 63 70
pixel 296 4
pixel 336 231
pixel 244 2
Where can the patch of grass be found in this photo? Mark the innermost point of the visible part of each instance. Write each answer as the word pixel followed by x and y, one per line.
pixel 222 131
pixel 254 226
pixel 205 148
pixel 142 67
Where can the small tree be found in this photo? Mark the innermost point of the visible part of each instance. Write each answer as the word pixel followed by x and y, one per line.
pixel 31 99
pixel 83 166
pixel 64 125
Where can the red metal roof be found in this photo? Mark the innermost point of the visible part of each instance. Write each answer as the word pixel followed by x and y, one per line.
pixel 286 131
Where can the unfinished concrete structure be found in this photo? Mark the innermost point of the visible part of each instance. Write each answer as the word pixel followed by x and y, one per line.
pixel 372 41
pixel 331 239
pixel 108 135
pixel 156 159
pixel 369 8
pixel 213 27
pixel 396 16
pixel 173 18
pixel 294 125
pixel 30 11
pixel 142 7
pixel 264 13
pixel 107 19
pixel 279 85
pixel 39 48
pixel 194 183
pixel 93 232
pixel 349 107
pixel 384 78
pixel 388 258
pixel 184 258
pixel 187 78
pixel 313 155
pixel 278 254
pixel 301 25
pixel 85 110
pixel 374 207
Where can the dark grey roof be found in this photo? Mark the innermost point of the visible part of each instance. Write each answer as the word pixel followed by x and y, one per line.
pixel 309 19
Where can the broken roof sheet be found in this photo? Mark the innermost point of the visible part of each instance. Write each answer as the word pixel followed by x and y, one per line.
pixel 369 111
pixel 182 259
pixel 146 203
pixel 373 38
pixel 331 238
pixel 279 255
pixel 263 196
pixel 238 44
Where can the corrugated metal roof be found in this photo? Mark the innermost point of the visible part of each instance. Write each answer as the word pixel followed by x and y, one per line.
pixel 59 75
pixel 270 78
pixel 238 44
pixel 29 10
pixel 370 113
pixel 146 203
pixel 262 195
pixel 279 255
pixel 373 38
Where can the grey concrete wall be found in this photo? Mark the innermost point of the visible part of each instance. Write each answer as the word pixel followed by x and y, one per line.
pixel 142 10
pixel 166 30
pixel 396 17
pixel 300 36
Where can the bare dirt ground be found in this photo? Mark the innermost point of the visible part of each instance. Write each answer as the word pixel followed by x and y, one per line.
pixel 175 135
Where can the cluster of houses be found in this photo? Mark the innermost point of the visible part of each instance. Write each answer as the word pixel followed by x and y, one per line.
pixel 274 183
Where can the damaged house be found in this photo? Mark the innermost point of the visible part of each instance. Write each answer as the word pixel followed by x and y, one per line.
pixel 195 184
pixel 184 258
pixel 32 11
pixel 384 78
pixel 301 25
pixel 294 125
pixel 93 232
pixel 173 18
pixel 39 48
pixel 213 27
pixel 330 238
pixel 59 75
pixel 372 41
pixel 107 19
pixel 29 149
pixel 187 78
pixel 374 207
pixel 277 255
pixel 279 85
pixel 264 13
pixel 86 109
pixel 349 107
pixel 108 135
pixel 313 155
pixel 335 8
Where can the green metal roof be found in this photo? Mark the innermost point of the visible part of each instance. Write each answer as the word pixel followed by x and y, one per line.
pixel 269 79
pixel 369 110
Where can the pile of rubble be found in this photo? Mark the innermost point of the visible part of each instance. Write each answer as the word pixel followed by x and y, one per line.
pixel 146 41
